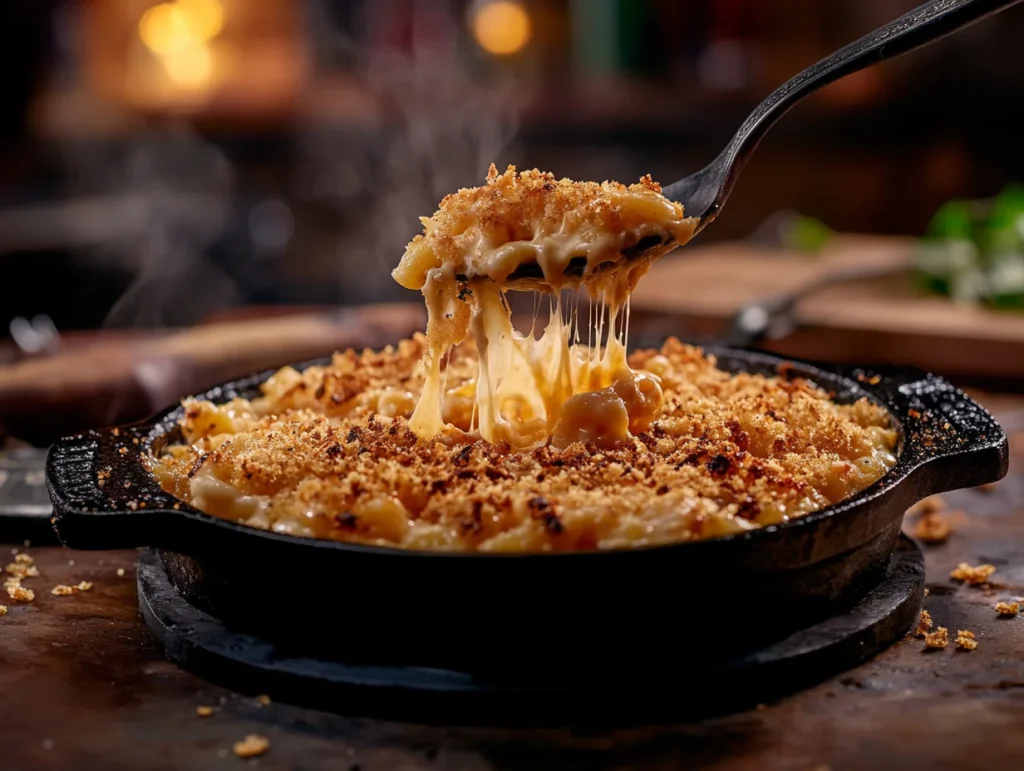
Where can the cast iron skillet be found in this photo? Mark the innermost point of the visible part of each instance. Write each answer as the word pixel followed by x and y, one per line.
pixel 542 615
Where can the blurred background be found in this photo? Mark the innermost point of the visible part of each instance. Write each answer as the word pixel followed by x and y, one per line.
pixel 179 163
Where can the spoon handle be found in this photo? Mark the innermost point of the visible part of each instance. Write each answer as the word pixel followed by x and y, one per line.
pixel 914 29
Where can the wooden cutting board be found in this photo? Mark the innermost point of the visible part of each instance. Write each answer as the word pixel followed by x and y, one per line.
pixel 695 292
pixel 101 379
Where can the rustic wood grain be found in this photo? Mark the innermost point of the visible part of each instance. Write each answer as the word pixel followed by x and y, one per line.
pixel 108 380
pixel 697 290
pixel 82 686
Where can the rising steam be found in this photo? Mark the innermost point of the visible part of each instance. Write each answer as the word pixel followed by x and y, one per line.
pixel 445 115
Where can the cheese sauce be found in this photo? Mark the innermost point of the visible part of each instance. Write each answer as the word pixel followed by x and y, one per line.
pixel 530 390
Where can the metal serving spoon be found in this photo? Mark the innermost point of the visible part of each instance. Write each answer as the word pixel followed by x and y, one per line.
pixel 704 193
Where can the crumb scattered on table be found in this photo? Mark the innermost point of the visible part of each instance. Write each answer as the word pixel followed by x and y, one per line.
pixel 22 567
pixel 62 590
pixel 263 700
pixel 923 624
pixel 937 639
pixel 120 572
pixel 17 592
pixel 965 640
pixel 204 711
pixel 932 528
pixel 251 746
pixel 972 575
pixel 1007 608
pixel 929 505
pixel 84 586
pixel 3 610
pixel 21 570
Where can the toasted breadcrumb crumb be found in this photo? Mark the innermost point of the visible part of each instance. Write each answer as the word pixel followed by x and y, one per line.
pixel 924 624
pixel 972 575
pixel 120 572
pixel 263 700
pixel 21 594
pixel 62 590
pixel 22 570
pixel 728 453
pixel 252 746
pixel 929 505
pixel 932 528
pixel 1007 608
pixel 3 610
pixel 965 640
pixel 937 639
pixel 204 711
pixel 17 592
pixel 23 559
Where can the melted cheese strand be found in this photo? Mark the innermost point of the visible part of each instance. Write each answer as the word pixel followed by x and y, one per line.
pixel 528 389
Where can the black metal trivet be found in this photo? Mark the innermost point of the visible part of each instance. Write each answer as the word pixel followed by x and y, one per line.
pixel 671 690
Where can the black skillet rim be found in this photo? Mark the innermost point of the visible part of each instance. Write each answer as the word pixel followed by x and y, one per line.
pixel 910 397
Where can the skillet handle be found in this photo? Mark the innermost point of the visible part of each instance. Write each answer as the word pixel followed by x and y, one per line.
pixel 102 495
pixel 950 441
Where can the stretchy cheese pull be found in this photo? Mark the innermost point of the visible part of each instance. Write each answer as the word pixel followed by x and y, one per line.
pixel 526 384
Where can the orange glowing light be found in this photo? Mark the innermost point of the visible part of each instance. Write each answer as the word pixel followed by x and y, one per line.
pixel 165 28
pixel 178 33
pixel 205 18
pixel 190 68
pixel 502 27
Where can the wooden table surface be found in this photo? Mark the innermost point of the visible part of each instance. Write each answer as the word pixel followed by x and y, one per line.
pixel 83 686
pixel 696 291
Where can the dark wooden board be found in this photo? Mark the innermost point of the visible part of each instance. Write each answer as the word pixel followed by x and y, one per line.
pixel 83 685
pixel 696 291
pixel 209 648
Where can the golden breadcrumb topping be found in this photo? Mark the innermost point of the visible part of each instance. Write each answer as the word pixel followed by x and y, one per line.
pixel 3 610
pixel 1007 609
pixel 328 453
pixel 929 505
pixel 17 592
pixel 22 569
pixel 528 230
pixel 937 639
pixel 965 640
pixel 527 210
pixel 932 528
pixel 972 575
pixel 63 590
pixel 252 746
pixel 924 624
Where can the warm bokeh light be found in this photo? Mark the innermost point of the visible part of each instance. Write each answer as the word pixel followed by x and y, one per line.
pixel 205 18
pixel 164 28
pixel 191 67
pixel 502 27
pixel 178 34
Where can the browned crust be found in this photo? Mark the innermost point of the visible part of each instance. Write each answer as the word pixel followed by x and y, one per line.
pixel 727 453
pixel 515 205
